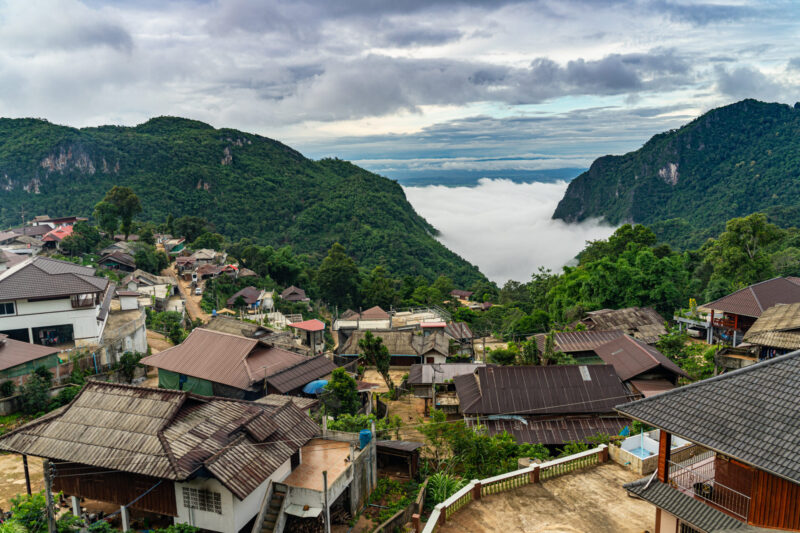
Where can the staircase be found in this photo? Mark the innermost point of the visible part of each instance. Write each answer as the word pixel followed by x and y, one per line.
pixel 273 508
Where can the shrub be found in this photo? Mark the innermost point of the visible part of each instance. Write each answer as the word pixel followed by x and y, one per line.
pixel 7 388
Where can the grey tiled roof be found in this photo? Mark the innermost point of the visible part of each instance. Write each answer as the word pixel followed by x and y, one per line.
pixel 42 277
pixel 749 414
pixel 683 506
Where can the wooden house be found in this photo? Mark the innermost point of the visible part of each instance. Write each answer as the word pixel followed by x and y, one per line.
pixel 641 323
pixel 776 331
pixel 749 477
pixel 581 345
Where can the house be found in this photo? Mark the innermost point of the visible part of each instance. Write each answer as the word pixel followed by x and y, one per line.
pixel 8 260
pixel 641 323
pixel 118 246
pixel 214 463
pixel 53 223
pixel 206 256
pixel 749 477
pixel 118 261
pixel 435 381
pixel 155 291
pixel 121 237
pixel 732 315
pixel 21 358
pixel 174 246
pixel 459 294
pixel 281 339
pixel 646 370
pixel 212 363
pixel 461 334
pixel 33 231
pixel 374 318
pixel 207 271
pixel 253 298
pixel 185 263
pixel 311 334
pixel 548 405
pixel 128 300
pixel 581 345
pixel 776 331
pixel 51 302
pixel 53 238
pixel 406 347
pixel 294 294
pixel 399 458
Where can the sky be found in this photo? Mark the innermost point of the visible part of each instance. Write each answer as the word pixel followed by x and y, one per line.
pixel 402 86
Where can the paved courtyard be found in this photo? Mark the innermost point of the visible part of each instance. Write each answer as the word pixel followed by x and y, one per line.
pixel 591 500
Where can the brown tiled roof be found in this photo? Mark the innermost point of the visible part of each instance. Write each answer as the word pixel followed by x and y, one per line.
pixel 754 300
pixel 293 293
pixel 374 313
pixel 208 268
pixel 554 431
pixel 33 231
pixel 631 358
pixel 642 323
pixel 301 373
pixel 167 434
pixel 223 358
pixel 458 293
pixel 10 259
pixel 540 390
pixel 579 341
pixel 651 387
pixel 249 295
pixel 42 277
pixel 13 353
pixel 119 257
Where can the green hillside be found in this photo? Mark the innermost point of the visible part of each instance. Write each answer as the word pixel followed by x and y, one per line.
pixel 245 184
pixel 686 183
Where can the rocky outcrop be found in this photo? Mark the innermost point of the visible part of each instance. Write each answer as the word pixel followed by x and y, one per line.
pixel 71 157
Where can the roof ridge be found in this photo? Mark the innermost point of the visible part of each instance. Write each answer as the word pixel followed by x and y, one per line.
pixel 714 379
pixel 755 297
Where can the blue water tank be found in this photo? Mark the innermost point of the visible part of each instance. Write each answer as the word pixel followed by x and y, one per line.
pixel 364 436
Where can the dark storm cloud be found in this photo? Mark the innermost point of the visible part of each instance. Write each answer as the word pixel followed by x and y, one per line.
pixel 747 82
pixel 419 36
pixel 704 13
pixel 91 35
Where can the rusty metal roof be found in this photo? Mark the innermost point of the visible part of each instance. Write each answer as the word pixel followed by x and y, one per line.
pixel 250 295
pixel 167 434
pixel 651 387
pixel 13 353
pixel 777 327
pixel 540 390
pixel 277 400
pixel 305 371
pixel 458 330
pixel 408 446
pixel 579 341
pixel 642 323
pixel 224 358
pixel 553 431
pixel 632 358
pixel 754 300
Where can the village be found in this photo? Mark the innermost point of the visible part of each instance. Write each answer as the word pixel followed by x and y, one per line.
pixel 154 379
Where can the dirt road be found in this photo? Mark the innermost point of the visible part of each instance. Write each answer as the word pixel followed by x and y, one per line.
pixel 12 477
pixel 187 293
pixel 157 342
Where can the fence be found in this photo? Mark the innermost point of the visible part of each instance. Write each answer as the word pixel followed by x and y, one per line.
pixel 406 515
pixel 476 489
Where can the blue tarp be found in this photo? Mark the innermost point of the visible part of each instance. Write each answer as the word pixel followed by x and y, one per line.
pixel 315 386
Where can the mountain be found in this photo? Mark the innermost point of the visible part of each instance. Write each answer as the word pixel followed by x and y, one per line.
pixel 685 183
pixel 245 184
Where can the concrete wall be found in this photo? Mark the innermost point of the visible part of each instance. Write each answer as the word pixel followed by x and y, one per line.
pixel 54 313
pixel 245 510
pixel 669 523
pixel 365 477
pixel 12 404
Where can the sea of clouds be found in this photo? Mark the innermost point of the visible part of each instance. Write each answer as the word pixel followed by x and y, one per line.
pixel 505 227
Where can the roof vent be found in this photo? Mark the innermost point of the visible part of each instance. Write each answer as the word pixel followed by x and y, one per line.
pixel 585 373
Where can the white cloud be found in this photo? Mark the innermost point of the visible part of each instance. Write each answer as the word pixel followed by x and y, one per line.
pixel 504 227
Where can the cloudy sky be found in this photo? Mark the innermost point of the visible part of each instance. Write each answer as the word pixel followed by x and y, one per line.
pixel 402 85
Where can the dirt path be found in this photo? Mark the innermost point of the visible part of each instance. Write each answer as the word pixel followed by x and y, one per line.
pixel 192 302
pixel 12 477
pixel 157 342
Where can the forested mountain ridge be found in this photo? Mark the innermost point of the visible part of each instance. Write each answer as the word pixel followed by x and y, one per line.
pixel 245 184
pixel 686 183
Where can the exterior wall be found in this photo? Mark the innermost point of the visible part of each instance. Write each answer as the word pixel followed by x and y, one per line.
pixel 385 323
pixel 223 522
pixel 245 510
pixel 667 524
pixel 128 303
pixel 54 313
pixel 774 502
pixel 130 337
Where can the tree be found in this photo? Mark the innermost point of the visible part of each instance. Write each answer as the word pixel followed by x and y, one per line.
pixel 84 239
pixel 378 289
pixel 190 227
pixel 107 217
pixel 337 278
pixel 375 353
pixel 126 204
pixel 503 356
pixel 35 394
pixel 213 241
pixel 146 235
pixel 128 364
pixel 342 394
pixel 529 353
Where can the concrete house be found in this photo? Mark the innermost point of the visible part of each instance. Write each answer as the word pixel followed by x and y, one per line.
pixel 218 464
pixel 51 302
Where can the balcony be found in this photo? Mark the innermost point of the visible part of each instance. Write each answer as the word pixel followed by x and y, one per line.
pixel 701 476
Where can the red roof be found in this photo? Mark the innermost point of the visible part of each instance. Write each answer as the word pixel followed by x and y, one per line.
pixel 58 234
pixel 433 325
pixel 309 325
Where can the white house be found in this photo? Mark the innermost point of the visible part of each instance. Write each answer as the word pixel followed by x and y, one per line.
pixel 51 302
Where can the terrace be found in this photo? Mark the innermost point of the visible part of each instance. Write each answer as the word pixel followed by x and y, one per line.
pixel 714 479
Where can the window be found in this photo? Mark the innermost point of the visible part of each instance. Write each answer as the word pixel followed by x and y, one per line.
pixel 202 500
pixel 6 308
pixel 686 528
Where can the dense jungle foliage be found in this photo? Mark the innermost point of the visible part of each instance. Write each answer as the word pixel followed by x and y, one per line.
pixel 244 184
pixel 686 183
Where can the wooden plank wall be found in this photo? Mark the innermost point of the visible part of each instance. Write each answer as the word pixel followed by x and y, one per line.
pixel 775 503
pixel 115 487
pixel 664 454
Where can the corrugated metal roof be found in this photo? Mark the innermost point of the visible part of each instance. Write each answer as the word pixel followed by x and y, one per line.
pixel 277 400
pixel 13 353
pixel 778 327
pixel 42 277
pixel 690 510
pixel 554 430
pixel 399 445
pixel 642 323
pixel 397 342
pixel 309 325
pixel 250 295
pixel 167 434
pixel 306 371
pixel 427 374
pixel 458 331
pixel 749 414
pixel 651 387
pixel 434 341
pixel 579 341
pixel 631 358
pixel 541 390
pixel 754 300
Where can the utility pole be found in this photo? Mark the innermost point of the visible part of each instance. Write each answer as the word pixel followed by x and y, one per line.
pixel 48 493
pixel 327 509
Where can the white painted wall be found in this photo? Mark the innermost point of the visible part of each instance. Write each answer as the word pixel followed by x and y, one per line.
pixel 669 523
pixel 54 313
pixel 128 303
pixel 245 510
